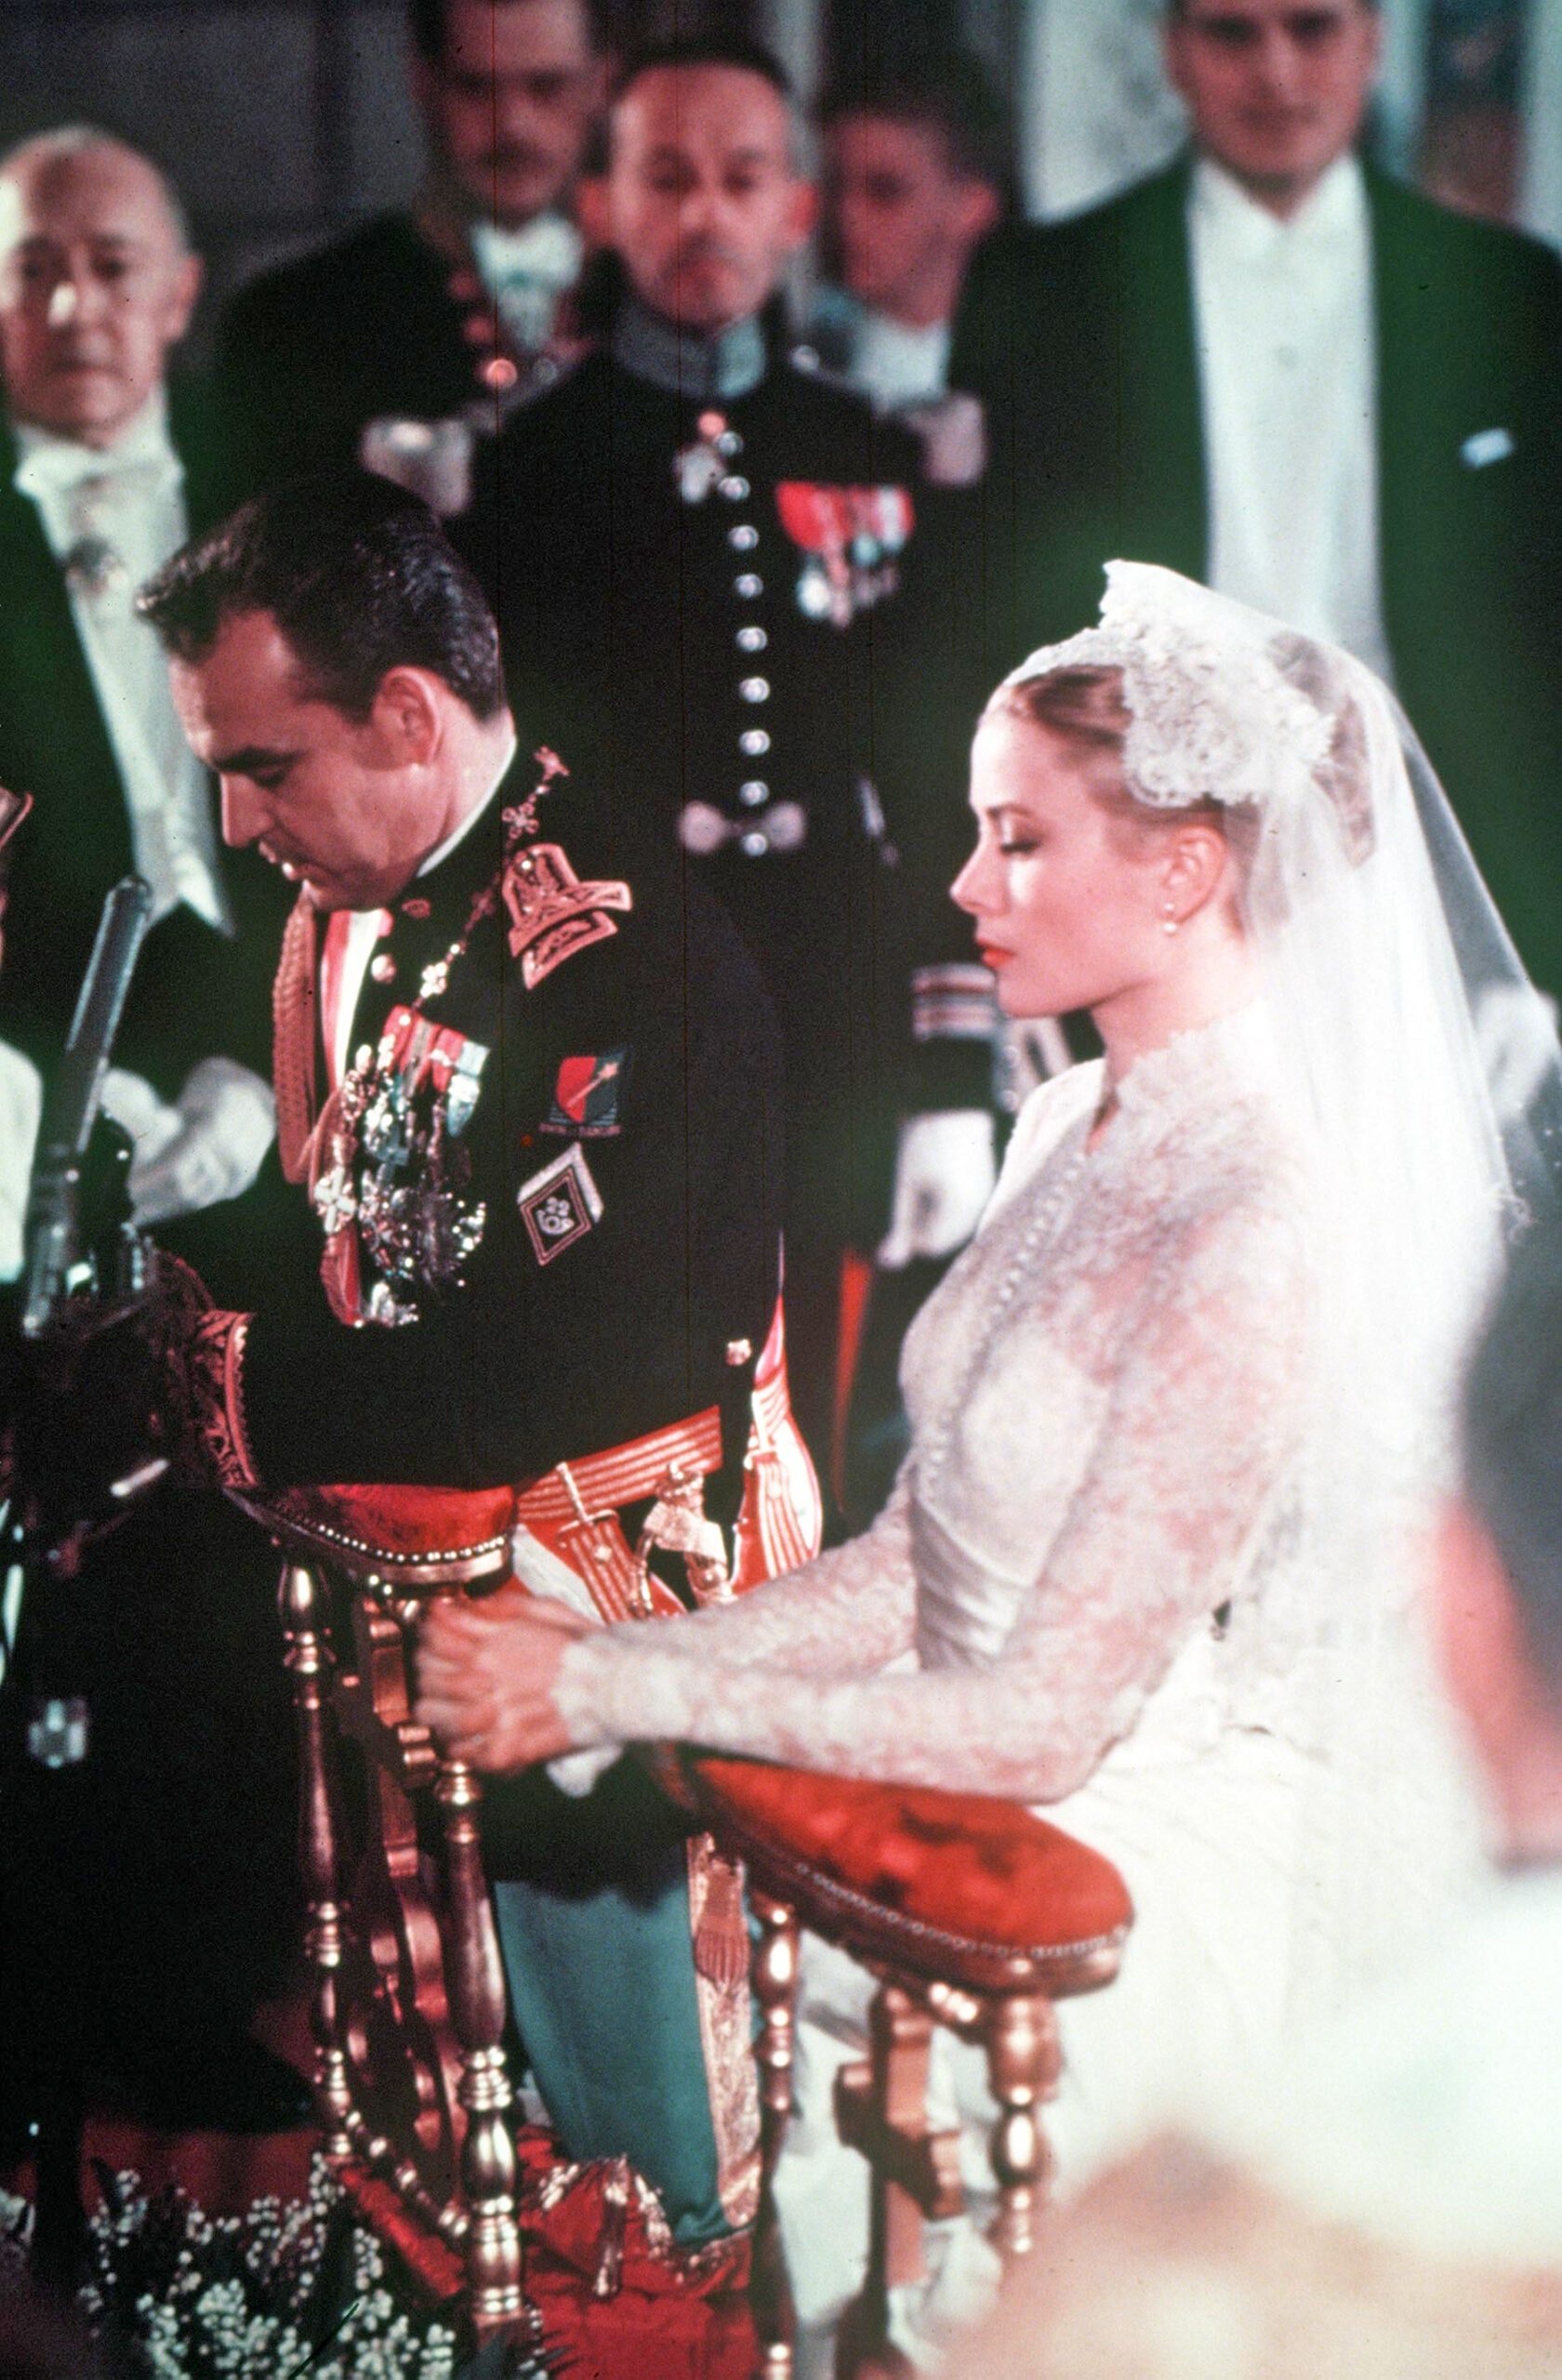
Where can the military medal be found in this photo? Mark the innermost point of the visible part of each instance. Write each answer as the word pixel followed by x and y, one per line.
pixel 707 464
pixel 391 1172
pixel 850 538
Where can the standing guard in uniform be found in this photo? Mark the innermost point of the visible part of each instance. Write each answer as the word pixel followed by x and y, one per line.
pixel 697 549
pixel 534 1098
pixel 377 347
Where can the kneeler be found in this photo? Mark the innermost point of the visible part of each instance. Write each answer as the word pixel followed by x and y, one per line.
pixel 621 1926
pixel 973 1914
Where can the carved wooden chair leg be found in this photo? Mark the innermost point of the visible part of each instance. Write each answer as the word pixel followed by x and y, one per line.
pixel 304 1623
pixel 775 1979
pixel 881 2111
pixel 477 2003
pixel 1020 2030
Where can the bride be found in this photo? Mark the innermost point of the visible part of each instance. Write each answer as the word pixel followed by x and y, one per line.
pixel 1179 1408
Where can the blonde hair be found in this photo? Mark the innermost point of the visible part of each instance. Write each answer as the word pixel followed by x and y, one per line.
pixel 1085 707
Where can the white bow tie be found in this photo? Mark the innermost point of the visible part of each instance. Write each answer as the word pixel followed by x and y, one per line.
pixel 142 467
pixel 546 255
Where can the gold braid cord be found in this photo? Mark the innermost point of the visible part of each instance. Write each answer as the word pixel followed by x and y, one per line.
pixel 205 1373
pixel 721 1942
pixel 294 995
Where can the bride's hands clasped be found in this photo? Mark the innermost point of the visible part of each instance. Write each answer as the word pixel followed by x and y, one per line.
pixel 485 1677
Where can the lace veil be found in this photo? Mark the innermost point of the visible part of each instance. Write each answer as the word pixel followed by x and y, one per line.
pixel 1418 1065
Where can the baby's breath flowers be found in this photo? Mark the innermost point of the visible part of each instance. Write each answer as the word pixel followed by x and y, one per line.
pixel 290 2289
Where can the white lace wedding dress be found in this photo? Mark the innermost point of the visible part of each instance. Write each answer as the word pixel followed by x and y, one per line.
pixel 1105 1584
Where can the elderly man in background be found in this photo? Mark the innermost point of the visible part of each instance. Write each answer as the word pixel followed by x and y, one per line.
pixel 1272 367
pixel 414 318
pixel 143 1738
pixel 103 465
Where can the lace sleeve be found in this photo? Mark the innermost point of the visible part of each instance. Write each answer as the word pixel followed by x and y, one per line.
pixel 851 1609
pixel 1205 1409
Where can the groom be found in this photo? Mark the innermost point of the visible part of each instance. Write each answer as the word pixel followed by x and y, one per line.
pixel 544 1174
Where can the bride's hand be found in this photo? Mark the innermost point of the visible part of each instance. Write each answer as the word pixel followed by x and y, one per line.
pixel 485 1677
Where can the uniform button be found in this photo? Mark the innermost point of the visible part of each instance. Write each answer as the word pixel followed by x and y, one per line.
pixel 751 640
pixel 729 443
pixel 755 843
pixel 752 742
pixel 750 585
pixel 754 690
pixel 735 487
pixel 744 539
pixel 701 828
pixel 383 968
pixel 753 791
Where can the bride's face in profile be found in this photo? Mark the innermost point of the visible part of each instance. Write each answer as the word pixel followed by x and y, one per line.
pixel 1069 904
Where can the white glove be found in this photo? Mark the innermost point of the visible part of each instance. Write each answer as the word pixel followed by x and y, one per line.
pixel 432 459
pixel 208 1145
pixel 946 1167
pixel 954 434
pixel 20 1100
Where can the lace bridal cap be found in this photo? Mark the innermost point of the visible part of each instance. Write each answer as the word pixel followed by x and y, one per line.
pixel 1422 1064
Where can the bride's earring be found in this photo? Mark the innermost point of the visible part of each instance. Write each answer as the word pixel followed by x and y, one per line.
pixel 1169 920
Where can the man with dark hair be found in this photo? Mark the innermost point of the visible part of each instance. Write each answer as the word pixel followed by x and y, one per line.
pixel 1273 367
pixel 465 302
pixel 916 176
pixel 695 547
pixel 535 1105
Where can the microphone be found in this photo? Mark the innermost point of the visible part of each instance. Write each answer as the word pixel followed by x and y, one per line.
pixel 53 1214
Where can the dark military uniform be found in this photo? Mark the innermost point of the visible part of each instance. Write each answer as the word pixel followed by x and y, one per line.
pixel 696 555
pixel 630 1087
pixel 550 1188
pixel 380 325
pixel 311 351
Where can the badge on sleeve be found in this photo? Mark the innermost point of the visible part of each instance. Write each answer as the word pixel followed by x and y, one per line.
pixel 560 1205
pixel 587 1093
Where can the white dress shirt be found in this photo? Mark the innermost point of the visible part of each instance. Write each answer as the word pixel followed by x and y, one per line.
pixel 113 515
pixel 1284 322
pixel 527 272
pixel 900 364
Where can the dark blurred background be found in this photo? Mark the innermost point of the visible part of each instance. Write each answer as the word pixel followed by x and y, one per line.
pixel 282 124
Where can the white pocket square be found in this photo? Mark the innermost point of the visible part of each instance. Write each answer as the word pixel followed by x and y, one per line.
pixel 1485 446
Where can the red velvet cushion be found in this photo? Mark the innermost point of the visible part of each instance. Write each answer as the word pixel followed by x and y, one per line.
pixel 420 1532
pixel 973 1870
